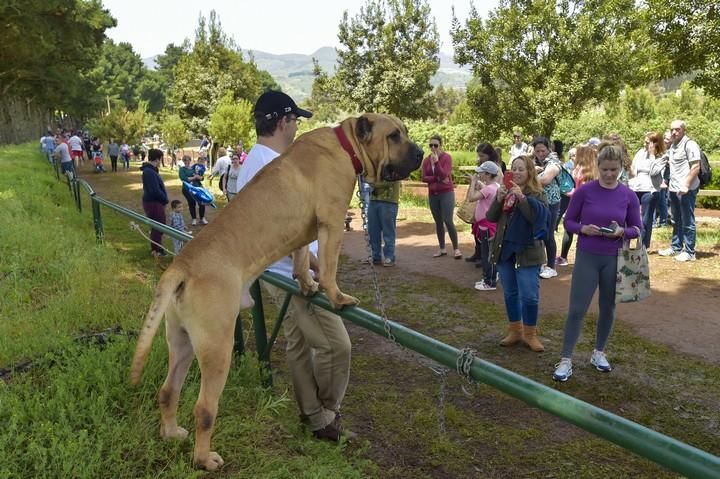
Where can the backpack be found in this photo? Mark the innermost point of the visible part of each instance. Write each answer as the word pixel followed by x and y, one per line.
pixel 565 180
pixel 705 174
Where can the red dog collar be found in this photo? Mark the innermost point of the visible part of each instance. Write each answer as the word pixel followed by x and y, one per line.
pixel 345 143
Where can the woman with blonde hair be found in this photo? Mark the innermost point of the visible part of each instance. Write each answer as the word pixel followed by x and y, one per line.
pixel 523 220
pixel 602 213
pixel 585 170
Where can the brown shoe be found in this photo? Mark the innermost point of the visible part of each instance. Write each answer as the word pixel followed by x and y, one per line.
pixel 514 334
pixel 334 431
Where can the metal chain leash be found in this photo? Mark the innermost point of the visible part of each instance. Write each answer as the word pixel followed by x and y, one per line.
pixel 440 370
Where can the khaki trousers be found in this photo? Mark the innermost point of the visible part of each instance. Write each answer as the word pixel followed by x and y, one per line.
pixel 318 353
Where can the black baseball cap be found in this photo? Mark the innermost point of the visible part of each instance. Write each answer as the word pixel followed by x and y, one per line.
pixel 274 104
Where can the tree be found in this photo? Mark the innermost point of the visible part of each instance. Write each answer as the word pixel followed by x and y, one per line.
pixel 213 67
pixel 445 101
pixel 536 60
pixel 389 53
pixel 122 124
pixel 231 121
pixel 173 130
pixel 688 33
pixel 117 74
pixel 47 45
pixel 324 101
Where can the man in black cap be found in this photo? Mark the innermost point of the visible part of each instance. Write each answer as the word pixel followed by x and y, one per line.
pixel 318 345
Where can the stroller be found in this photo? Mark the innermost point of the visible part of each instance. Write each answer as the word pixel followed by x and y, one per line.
pixel 98 162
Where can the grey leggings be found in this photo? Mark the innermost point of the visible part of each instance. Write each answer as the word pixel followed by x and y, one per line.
pixel 591 272
pixel 441 207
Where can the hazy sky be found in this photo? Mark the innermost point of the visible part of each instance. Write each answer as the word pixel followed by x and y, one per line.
pixel 275 26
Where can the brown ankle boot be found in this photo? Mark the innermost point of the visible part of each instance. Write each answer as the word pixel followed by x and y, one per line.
pixel 531 339
pixel 514 334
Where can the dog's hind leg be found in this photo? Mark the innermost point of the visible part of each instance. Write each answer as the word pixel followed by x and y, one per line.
pixel 180 357
pixel 214 352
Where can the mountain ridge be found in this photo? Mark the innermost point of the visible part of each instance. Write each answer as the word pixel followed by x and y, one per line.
pixel 294 71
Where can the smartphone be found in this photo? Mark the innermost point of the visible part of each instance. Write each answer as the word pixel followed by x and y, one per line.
pixel 607 229
pixel 507 179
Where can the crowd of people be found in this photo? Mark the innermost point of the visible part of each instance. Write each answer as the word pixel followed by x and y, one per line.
pixel 519 207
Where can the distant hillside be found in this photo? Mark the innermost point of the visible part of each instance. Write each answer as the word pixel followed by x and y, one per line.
pixel 293 71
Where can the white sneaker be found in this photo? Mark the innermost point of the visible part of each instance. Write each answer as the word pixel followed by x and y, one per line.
pixel 194 222
pixel 547 273
pixel 482 286
pixel 563 370
pixel 667 252
pixel 685 256
pixel 600 362
pixel 203 221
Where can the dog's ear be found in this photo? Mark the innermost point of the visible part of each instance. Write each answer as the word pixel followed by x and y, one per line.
pixel 363 129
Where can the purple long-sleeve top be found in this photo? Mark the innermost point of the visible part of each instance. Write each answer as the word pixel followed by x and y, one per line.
pixel 593 204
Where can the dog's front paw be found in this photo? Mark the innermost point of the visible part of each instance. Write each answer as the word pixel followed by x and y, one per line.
pixel 212 462
pixel 340 300
pixel 308 287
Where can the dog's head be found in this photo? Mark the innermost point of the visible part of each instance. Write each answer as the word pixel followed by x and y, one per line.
pixel 386 151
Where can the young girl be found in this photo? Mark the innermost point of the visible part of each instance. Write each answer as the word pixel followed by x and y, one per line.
pixel 483 188
pixel 523 221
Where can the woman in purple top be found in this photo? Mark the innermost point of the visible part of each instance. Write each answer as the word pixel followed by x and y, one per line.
pixel 601 214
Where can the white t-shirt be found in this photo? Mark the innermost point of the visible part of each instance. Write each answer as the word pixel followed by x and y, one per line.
pixel 682 157
pixel 258 157
pixel 221 165
pixel 75 143
pixel 518 150
pixel 63 152
pixel 641 169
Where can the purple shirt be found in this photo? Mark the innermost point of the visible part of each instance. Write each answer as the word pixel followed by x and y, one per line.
pixel 593 204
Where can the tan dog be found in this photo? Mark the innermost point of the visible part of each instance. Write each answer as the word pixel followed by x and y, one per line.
pixel 300 196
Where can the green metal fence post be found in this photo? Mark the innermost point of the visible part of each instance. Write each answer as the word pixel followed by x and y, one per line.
pixel 97 220
pixel 239 346
pixel 258 315
pixel 78 202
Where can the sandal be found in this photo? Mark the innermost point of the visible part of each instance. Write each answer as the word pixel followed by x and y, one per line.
pixel 440 253
pixel 458 254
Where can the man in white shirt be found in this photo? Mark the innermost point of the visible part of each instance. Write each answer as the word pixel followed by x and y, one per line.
pixel 684 162
pixel 76 148
pixel 518 147
pixel 220 168
pixel 62 151
pixel 318 346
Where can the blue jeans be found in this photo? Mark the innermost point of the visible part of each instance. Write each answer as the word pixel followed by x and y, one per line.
pixel 381 226
pixel 683 212
pixel 550 244
pixel 648 203
pixel 521 289
pixel 662 207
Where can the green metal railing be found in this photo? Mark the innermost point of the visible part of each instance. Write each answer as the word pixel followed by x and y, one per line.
pixel 659 448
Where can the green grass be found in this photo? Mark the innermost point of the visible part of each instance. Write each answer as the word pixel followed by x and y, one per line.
pixel 75 415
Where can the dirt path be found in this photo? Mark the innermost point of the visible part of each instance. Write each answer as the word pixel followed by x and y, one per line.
pixel 683 313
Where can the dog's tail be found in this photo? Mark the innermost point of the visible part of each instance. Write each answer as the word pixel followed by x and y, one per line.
pixel 170 283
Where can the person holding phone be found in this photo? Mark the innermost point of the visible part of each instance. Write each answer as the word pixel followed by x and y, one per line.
pixel 523 220
pixel 601 213
pixel 437 173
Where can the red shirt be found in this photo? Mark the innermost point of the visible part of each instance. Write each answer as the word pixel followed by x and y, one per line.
pixel 439 178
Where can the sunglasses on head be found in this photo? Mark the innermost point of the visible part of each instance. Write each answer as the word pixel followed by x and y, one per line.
pixel 434 145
